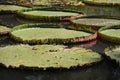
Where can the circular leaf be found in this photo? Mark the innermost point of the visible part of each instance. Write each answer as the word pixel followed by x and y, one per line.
pixel 46 56
pixel 42 33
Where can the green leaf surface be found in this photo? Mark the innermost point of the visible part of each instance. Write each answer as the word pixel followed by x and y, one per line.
pixel 46 56
pixel 48 33
pixel 96 22
pixel 37 33
pixel 11 7
pixel 4 30
pixel 50 13
pixel 113 53
pixel 105 1
pixel 110 33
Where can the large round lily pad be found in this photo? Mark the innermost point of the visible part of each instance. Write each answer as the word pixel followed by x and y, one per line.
pixel 11 8
pixel 42 33
pixel 49 14
pixel 46 56
pixel 113 53
pixel 4 30
pixel 103 2
pixel 94 23
pixel 110 33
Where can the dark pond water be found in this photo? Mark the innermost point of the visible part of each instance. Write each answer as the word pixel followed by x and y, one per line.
pixel 101 11
pixel 104 70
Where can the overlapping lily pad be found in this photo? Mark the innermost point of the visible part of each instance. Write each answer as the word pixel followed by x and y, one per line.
pixel 49 14
pixel 103 2
pixel 113 53
pixel 94 23
pixel 48 33
pixel 11 8
pixel 110 33
pixel 47 56
pixel 4 30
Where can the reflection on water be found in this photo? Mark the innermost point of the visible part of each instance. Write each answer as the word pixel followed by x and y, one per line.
pixel 100 71
pixel 12 20
pixel 100 11
pixel 6 40
pixel 101 45
pixel 97 45
pixel 8 19
pixel 85 74
pixel 84 44
pixel 97 72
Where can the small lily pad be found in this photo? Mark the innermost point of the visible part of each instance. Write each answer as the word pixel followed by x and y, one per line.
pixel 113 53
pixel 110 33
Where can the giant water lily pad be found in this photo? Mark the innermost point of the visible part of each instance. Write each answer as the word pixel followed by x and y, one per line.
pixel 95 23
pixel 11 8
pixel 103 2
pixel 46 56
pixel 48 14
pixel 37 33
pixel 110 33
pixel 4 30
pixel 113 53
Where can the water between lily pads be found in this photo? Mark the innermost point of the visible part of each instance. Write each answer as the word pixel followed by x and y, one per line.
pixel 104 70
